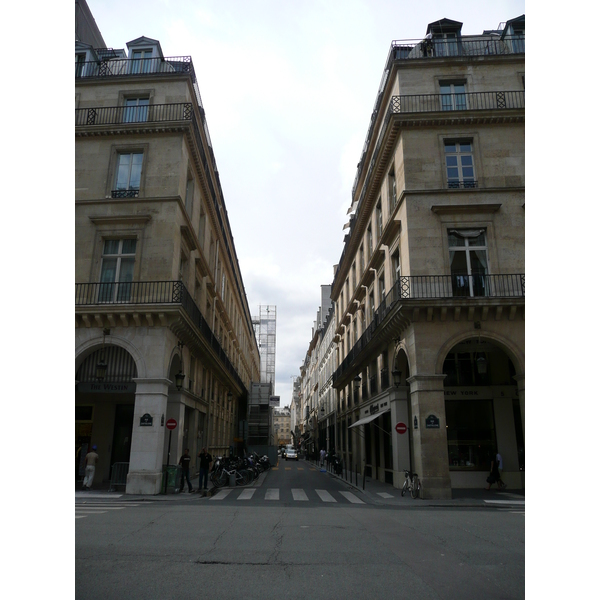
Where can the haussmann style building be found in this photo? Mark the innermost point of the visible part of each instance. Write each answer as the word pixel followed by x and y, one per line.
pixel 429 292
pixel 163 328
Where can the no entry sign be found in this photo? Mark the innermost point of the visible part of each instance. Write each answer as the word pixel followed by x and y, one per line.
pixel 401 428
pixel 171 424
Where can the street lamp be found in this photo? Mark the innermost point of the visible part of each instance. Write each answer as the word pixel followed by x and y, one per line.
pixel 357 381
pixel 397 376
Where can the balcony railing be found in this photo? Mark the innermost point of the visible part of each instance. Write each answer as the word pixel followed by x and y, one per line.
pixel 154 292
pixel 488 45
pixel 496 100
pixel 435 287
pixel 117 115
pixel 119 67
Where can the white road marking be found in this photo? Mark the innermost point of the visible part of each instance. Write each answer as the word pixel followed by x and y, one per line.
pixel 299 495
pixel 247 494
pixel 93 512
pixel 519 502
pixel 325 496
pixel 272 494
pixel 350 496
pixel 222 495
pixel 99 507
pixel 384 495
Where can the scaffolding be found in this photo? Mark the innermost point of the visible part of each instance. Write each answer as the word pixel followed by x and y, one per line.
pixel 264 329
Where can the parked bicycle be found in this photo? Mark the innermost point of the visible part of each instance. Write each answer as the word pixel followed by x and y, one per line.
pixel 224 467
pixel 412 483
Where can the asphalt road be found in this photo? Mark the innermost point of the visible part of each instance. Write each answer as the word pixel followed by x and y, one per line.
pixel 289 547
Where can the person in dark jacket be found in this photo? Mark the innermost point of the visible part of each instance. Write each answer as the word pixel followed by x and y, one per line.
pixel 184 461
pixel 494 476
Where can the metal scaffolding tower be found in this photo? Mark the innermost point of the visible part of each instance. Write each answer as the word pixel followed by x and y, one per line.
pixel 264 328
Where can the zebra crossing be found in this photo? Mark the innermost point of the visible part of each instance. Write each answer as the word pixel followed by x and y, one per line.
pixel 99 507
pixel 297 495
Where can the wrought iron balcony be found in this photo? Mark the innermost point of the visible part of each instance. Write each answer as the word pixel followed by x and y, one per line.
pixel 125 193
pixel 118 115
pixel 123 67
pixel 136 293
pixel 433 287
pixel 496 100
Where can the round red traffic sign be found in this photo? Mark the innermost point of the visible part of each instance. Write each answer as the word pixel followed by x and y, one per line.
pixel 171 424
pixel 401 428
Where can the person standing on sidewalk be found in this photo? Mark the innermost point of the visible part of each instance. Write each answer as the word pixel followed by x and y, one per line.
pixel 91 458
pixel 205 461
pixel 322 456
pixel 185 461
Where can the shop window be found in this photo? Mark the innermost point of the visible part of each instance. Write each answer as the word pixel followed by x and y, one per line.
pixel 471 434
pixel 461 369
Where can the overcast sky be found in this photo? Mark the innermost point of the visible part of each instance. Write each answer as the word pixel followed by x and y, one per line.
pixel 288 89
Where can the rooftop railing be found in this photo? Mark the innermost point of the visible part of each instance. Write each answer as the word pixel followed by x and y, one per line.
pixel 154 292
pixel 419 103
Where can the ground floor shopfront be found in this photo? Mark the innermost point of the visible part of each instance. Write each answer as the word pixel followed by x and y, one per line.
pixel 126 413
pixel 458 399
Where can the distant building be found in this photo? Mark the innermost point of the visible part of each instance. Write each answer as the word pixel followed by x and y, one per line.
pixel 282 426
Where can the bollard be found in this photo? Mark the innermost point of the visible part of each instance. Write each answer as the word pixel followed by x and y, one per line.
pixel 232 479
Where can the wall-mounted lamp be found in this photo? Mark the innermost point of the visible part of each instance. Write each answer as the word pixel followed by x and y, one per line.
pixel 397 376
pixel 481 360
pixel 102 367
pixel 357 381
pixel 180 377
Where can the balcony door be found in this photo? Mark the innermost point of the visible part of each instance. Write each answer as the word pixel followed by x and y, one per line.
pixel 468 262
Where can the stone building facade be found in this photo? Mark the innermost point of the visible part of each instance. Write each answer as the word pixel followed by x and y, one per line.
pixel 160 301
pixel 429 291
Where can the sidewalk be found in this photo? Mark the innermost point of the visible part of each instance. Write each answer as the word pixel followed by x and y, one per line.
pixel 379 493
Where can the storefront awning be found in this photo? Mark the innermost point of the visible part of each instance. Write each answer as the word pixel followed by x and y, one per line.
pixel 368 419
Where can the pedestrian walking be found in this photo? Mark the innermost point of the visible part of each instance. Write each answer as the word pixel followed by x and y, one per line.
pixel 184 462
pixel 494 476
pixel 322 456
pixel 499 461
pixel 205 461
pixel 91 458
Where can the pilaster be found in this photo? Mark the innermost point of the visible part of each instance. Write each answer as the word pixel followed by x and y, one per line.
pixel 430 441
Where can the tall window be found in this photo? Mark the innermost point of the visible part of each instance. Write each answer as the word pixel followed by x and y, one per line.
pixel 136 110
pixel 459 164
pixel 118 258
pixel 369 242
pixel 392 188
pixel 396 272
pixel 468 261
pixel 379 220
pixel 453 96
pixel 189 194
pixel 129 173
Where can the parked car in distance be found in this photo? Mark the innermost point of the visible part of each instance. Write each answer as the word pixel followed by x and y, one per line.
pixel 290 453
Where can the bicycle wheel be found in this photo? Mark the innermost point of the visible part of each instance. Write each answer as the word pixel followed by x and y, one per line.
pixel 416 488
pixel 404 487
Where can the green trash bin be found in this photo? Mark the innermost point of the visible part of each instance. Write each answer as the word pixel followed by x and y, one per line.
pixel 171 479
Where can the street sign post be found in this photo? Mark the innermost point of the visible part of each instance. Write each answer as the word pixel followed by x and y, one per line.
pixel 401 428
pixel 171 424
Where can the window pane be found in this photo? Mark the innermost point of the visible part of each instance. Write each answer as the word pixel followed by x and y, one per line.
pixel 445 88
pixel 126 271
pixel 129 246
pixel 455 240
pixel 468 173
pixel 452 173
pixel 136 172
pixel 465 147
pixel 451 161
pixel 111 246
pixel 109 270
pixel 449 147
pixel 465 160
pixel 459 88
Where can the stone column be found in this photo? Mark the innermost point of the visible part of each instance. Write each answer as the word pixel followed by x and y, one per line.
pixel 147 443
pixel 400 442
pixel 430 445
